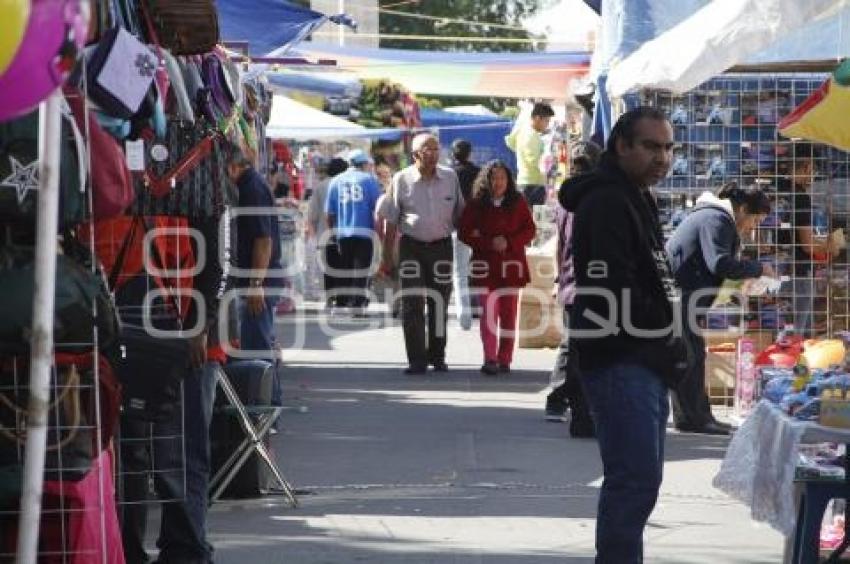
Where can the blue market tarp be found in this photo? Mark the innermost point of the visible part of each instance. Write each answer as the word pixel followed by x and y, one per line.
pixel 329 84
pixel 269 26
pixel 486 133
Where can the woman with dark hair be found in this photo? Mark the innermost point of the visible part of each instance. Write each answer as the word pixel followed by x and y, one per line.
pixel 703 253
pixel 497 224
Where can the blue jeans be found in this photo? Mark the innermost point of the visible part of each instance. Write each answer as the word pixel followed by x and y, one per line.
pixel 630 407
pixel 182 537
pixel 257 336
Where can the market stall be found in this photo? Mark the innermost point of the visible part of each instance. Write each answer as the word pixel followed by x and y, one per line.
pixel 124 167
pixel 736 125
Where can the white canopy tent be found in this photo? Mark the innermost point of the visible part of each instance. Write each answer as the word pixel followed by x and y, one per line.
pixel 720 35
pixel 299 122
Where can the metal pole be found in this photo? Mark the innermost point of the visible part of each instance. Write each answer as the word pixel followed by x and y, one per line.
pixel 41 358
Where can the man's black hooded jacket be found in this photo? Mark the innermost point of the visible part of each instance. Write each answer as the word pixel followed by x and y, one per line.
pixel 622 276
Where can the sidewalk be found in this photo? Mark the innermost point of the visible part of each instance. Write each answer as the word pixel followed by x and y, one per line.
pixel 454 468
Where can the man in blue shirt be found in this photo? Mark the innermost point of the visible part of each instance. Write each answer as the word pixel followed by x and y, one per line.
pixel 257 256
pixel 350 209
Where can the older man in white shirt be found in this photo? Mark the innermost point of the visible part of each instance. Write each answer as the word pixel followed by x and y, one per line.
pixel 425 204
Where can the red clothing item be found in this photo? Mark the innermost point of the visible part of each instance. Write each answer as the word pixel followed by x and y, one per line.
pixel 480 224
pixel 498 326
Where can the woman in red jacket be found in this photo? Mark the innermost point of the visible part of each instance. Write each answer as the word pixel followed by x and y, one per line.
pixel 497 225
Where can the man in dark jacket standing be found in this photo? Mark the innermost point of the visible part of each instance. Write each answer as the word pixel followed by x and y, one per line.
pixel 623 324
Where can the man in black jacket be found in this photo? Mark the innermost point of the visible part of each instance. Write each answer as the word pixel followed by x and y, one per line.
pixel 623 324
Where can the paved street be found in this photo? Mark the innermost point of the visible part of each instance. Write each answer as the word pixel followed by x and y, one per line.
pixel 457 468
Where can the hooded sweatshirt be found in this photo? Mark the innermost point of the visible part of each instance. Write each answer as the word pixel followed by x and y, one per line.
pixel 617 247
pixel 703 249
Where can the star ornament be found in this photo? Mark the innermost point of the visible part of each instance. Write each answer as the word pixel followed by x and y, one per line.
pixel 23 178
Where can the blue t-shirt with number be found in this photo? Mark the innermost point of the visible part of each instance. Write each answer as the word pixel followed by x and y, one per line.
pixel 352 197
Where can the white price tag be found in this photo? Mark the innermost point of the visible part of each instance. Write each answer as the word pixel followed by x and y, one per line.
pixel 135 151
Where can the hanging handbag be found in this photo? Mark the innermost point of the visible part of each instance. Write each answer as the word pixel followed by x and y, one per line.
pixel 216 81
pixel 188 27
pixel 78 291
pixel 120 72
pixel 19 166
pixel 112 183
pixel 151 371
pixel 102 19
pixel 73 440
pixel 150 368
pixel 179 100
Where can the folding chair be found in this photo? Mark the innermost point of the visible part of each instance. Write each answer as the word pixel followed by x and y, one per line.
pixel 255 433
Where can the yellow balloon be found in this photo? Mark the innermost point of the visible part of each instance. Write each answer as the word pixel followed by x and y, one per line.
pixel 14 15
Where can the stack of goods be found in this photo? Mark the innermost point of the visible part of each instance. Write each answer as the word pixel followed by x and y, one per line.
pixel 385 104
pixel 815 387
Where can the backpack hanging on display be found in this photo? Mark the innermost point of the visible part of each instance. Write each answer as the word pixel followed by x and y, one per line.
pixel 120 73
pixel 78 291
pixel 72 437
pixel 150 368
pixel 19 171
pixel 217 80
pixel 190 180
pixel 187 27
pixel 179 98
pixel 112 184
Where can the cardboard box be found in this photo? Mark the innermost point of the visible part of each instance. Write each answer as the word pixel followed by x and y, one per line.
pixel 543 270
pixel 835 413
pixel 720 367
pixel 540 325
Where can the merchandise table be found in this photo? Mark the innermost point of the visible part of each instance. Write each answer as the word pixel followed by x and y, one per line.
pixel 760 466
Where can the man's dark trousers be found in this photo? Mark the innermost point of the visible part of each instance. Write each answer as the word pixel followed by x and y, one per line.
pixel 182 535
pixel 691 406
pixel 356 259
pixel 630 406
pixel 569 392
pixel 425 272
pixel 333 263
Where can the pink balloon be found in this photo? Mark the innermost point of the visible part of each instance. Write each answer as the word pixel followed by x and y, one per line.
pixel 55 33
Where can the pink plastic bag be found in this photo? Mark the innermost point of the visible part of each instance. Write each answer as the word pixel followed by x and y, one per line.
pixel 81 505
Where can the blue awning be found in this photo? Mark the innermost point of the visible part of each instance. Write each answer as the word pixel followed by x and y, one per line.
pixel 269 25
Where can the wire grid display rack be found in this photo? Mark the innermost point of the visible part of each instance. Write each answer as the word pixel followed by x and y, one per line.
pixel 76 474
pixel 84 467
pixel 726 130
